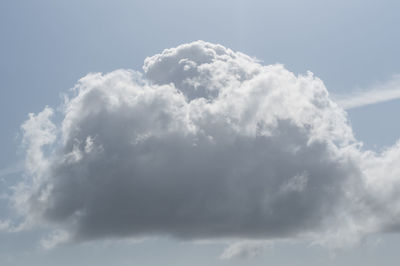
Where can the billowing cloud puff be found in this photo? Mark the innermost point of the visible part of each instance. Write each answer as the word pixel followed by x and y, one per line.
pixel 206 143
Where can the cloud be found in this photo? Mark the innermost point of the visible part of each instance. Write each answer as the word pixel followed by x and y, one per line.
pixel 207 143
pixel 245 249
pixel 4 225
pixel 57 237
pixel 384 92
pixel 11 169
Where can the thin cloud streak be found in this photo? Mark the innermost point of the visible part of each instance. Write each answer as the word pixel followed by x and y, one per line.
pixel 382 93
pixel 11 169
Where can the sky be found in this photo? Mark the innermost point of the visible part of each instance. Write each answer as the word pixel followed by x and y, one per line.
pixel 265 134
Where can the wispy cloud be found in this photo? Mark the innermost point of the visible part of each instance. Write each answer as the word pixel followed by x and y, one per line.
pixel 383 92
pixel 246 249
pixel 11 169
pixel 55 238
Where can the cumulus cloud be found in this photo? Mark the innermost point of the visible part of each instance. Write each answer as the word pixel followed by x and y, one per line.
pixel 206 143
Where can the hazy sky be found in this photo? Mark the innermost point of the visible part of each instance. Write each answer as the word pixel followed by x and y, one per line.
pixel 202 154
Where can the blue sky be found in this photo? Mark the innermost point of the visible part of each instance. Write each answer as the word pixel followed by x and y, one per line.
pixel 47 46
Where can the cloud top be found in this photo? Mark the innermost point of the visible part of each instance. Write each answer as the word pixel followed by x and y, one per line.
pixel 207 143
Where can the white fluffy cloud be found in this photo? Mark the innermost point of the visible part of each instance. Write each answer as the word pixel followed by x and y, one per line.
pixel 207 143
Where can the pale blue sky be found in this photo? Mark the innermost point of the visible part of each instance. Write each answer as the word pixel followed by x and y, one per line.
pixel 46 46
